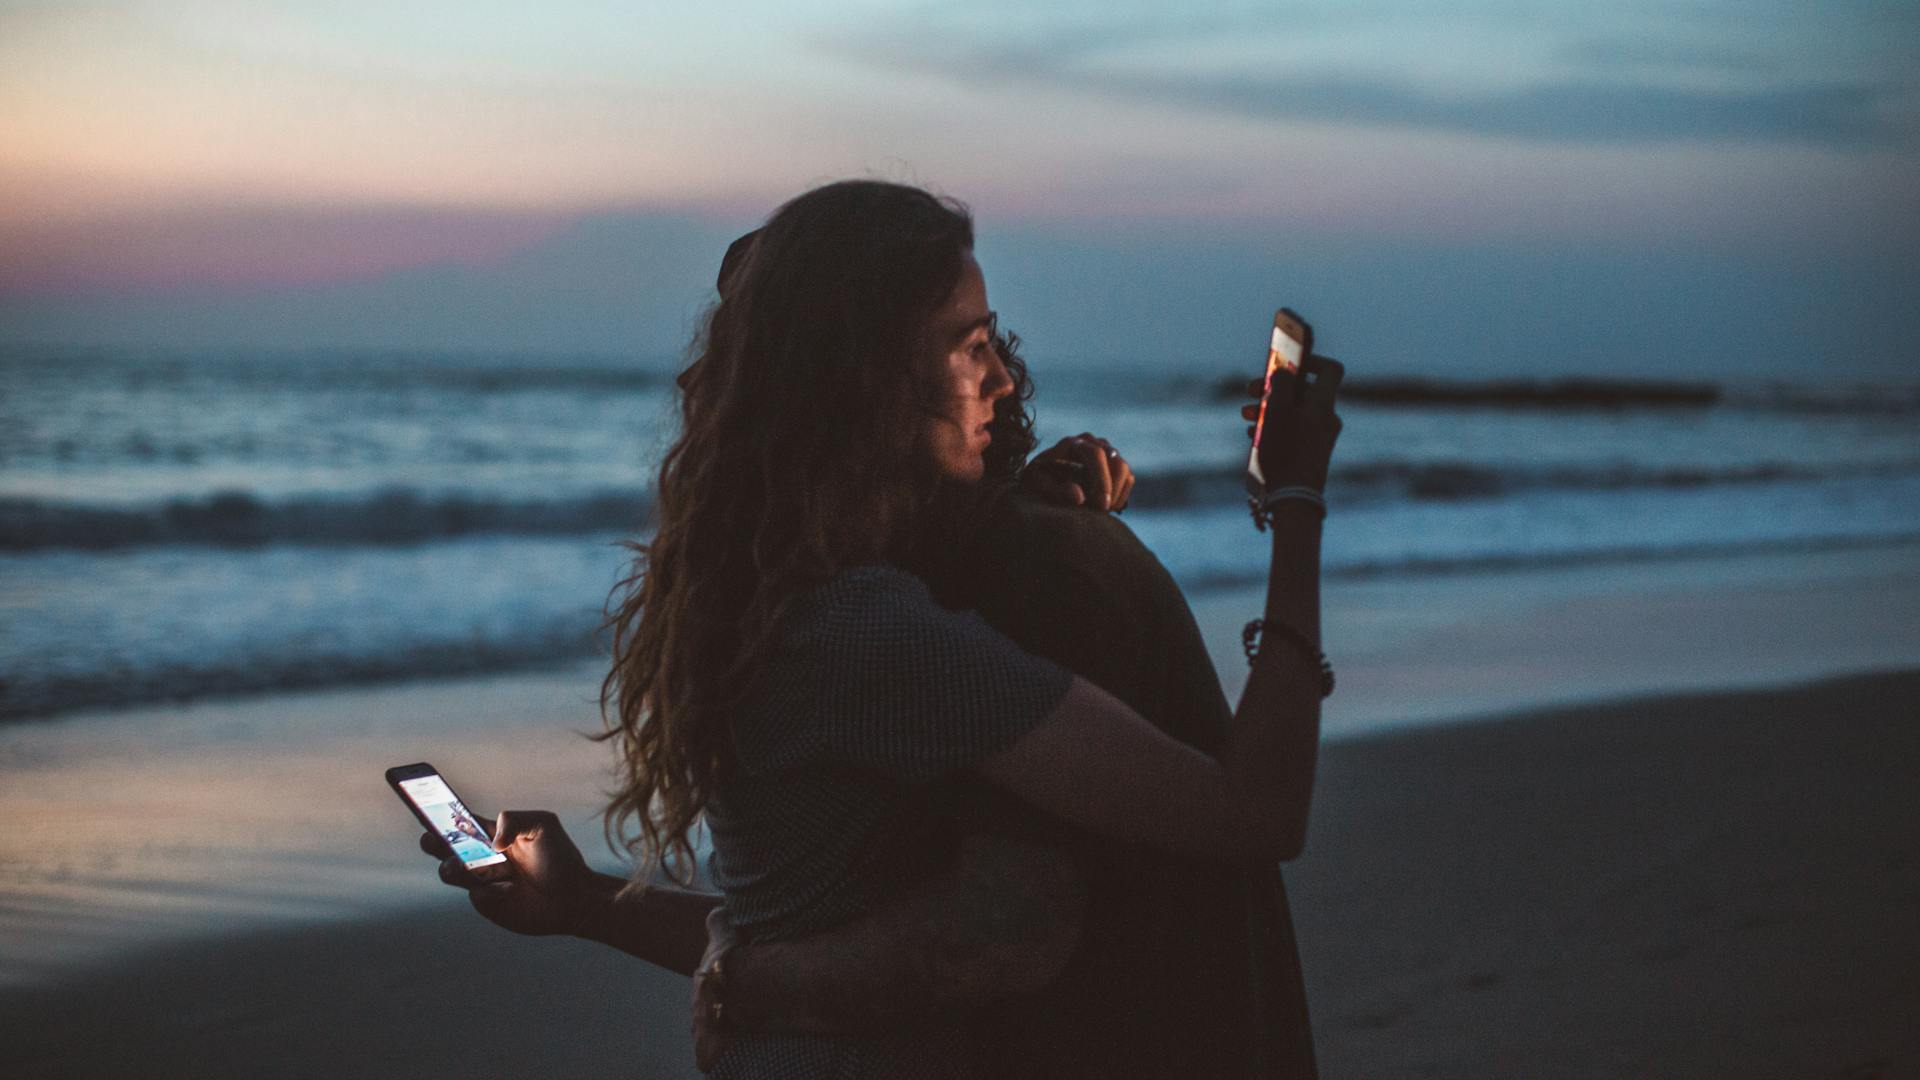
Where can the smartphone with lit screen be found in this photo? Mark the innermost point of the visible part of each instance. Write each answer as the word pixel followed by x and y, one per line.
pixel 1287 350
pixel 432 800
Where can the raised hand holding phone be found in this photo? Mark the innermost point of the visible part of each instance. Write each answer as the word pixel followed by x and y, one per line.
pixel 1287 349
pixel 1294 424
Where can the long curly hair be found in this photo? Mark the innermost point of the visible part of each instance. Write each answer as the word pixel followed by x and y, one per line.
pixel 797 457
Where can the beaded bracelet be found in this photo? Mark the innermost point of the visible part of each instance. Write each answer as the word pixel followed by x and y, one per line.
pixel 1262 506
pixel 1253 636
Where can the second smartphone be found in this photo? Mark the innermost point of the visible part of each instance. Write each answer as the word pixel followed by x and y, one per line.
pixel 1287 350
pixel 432 800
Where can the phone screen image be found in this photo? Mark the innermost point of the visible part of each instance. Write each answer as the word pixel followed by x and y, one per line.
pixel 1285 351
pixel 448 816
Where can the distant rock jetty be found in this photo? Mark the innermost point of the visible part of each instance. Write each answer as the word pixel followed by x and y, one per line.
pixel 1520 393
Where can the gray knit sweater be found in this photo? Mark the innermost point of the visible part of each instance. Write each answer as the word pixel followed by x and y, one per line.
pixel 874 691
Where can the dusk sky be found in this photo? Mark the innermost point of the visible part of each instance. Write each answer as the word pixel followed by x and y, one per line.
pixel 1691 190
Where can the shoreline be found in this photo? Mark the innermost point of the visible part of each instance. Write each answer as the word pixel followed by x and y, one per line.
pixel 1707 884
pixel 1571 575
pixel 136 828
pixel 1463 648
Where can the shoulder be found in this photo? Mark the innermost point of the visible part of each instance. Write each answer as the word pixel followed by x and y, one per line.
pixel 859 598
pixel 873 583
pixel 1053 554
pixel 870 614
pixel 1030 531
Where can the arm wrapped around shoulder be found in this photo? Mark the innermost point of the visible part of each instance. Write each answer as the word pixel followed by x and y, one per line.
pixel 1100 765
pixel 1002 919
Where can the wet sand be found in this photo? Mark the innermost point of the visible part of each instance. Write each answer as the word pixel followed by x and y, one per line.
pixel 1717 885
pixel 1692 886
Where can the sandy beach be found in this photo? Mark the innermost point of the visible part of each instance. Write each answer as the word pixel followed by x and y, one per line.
pixel 366 368
pixel 1690 886
pixel 1657 882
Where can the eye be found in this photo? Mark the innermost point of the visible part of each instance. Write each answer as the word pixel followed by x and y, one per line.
pixel 988 333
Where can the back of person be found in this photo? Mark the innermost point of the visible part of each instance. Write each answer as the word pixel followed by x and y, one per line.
pixel 1186 968
pixel 872 694
pixel 849 386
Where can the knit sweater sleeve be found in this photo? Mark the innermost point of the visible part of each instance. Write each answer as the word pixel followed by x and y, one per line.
pixel 879 676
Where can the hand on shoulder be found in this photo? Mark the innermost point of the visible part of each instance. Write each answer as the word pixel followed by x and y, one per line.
pixel 1084 470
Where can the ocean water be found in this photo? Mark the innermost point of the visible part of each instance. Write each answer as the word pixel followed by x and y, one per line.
pixel 185 526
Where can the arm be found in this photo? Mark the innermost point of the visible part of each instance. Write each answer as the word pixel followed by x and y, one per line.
pixel 1096 763
pixel 1003 919
pixel 664 927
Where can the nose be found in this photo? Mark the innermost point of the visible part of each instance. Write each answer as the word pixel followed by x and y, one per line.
pixel 999 382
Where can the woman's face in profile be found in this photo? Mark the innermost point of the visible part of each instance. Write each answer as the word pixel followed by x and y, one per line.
pixel 973 378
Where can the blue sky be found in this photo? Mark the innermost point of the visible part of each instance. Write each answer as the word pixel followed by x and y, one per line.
pixel 1681 188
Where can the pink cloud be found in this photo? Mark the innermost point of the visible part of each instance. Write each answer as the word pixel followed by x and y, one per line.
pixel 251 246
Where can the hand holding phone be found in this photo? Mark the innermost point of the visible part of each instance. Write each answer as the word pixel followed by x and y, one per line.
pixel 1287 351
pixel 1292 433
pixel 536 883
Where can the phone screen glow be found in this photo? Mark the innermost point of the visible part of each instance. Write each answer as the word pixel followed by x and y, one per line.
pixel 452 820
pixel 1283 355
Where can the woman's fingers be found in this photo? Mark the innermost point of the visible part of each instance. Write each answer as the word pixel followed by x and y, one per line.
pixel 1119 476
pixel 1324 375
pixel 1097 476
pixel 1047 477
pixel 494 900
pixel 1318 384
pixel 455 873
pixel 1084 470
pixel 1122 485
pixel 1058 476
pixel 514 824
pixel 1302 426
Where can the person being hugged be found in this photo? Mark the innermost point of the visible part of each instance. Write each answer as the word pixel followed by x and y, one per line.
pixel 782 674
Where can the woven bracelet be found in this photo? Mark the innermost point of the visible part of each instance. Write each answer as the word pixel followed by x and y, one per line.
pixel 1253 636
pixel 1262 506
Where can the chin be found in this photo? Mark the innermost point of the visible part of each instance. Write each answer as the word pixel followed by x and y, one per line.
pixel 964 470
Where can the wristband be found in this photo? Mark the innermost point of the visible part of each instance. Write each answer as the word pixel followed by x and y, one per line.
pixel 1262 506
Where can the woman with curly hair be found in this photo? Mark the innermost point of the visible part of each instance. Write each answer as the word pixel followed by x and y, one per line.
pixel 782 675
